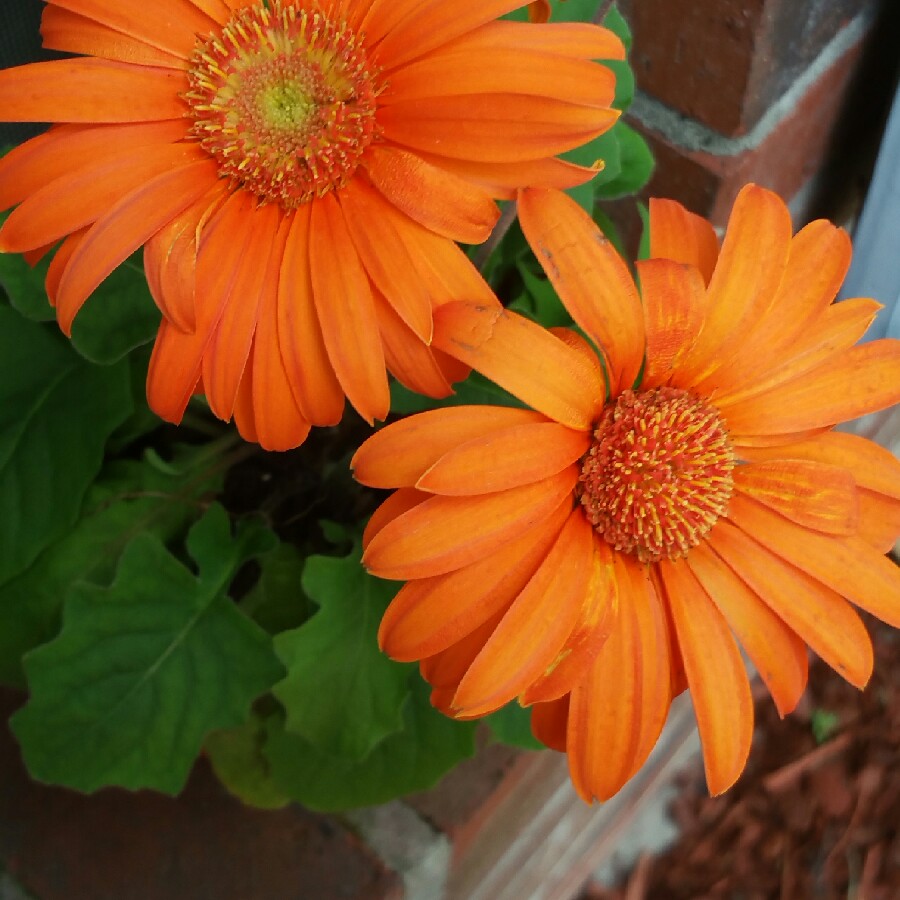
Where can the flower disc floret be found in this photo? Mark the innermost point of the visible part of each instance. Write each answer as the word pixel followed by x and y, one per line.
pixel 658 474
pixel 284 99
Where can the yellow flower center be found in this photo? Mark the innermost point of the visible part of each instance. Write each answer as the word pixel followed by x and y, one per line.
pixel 284 100
pixel 658 474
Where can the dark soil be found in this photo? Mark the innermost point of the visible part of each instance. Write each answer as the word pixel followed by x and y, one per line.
pixel 815 814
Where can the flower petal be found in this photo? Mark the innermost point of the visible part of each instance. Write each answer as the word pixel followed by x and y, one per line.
pixel 860 380
pixel 595 623
pixel 747 274
pixel 398 503
pixel 847 565
pixel 400 454
pixel 316 388
pixel 174 28
pixel 550 721
pixel 775 649
pixel 715 671
pixel 124 229
pixel 97 91
pixel 674 298
pixel 682 236
pixel 524 359
pixel 429 615
pixel 85 195
pixel 879 520
pixel 534 630
pixel 442 202
pixel 505 458
pixel 590 277
pixel 71 33
pixel 493 127
pixel 447 533
pixel 346 311
pixel 809 493
pixel 225 358
pixel 821 617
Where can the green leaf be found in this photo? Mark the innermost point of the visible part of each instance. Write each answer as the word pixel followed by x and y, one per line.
pixel 277 601
pixel 603 149
pixel 335 655
pixel 635 165
pixel 410 760
pixel 24 284
pixel 143 670
pixel 512 725
pixel 129 498
pixel 547 308
pixel 118 317
pixel 615 22
pixel 475 390
pixel 570 11
pixel 644 247
pixel 237 759
pixel 56 413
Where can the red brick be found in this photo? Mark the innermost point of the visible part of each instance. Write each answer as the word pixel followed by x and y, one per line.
pixel 725 62
pixel 204 845
pixel 784 160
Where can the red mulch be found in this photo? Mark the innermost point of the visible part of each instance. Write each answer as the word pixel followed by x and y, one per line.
pixel 809 818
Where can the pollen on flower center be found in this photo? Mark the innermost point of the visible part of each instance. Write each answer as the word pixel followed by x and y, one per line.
pixel 284 100
pixel 658 474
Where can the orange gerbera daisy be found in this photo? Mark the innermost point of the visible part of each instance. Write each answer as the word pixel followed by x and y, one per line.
pixel 298 172
pixel 675 487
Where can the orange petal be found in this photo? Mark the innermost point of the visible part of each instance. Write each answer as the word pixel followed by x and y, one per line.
pixel 872 466
pixel 85 195
pixel 777 652
pixel 97 91
pixel 590 278
pixel 398 503
pixel 809 493
pixel 879 520
pixel 407 357
pixel 674 299
pixel 549 723
pixel 535 629
pixel 174 29
pixel 124 228
pixel 226 356
pixel 605 707
pixel 279 423
pixel 433 197
pixel 860 380
pixel 847 565
pixel 578 40
pixel 399 454
pixel 433 23
pixel 817 262
pixel 71 33
pixel 493 127
pixel 346 311
pixel 505 458
pixel 447 533
pixel 370 220
pixel 747 274
pixel 316 388
pixel 460 70
pixel 502 180
pixel 64 148
pixel 176 361
pixel 430 614
pixel 58 264
pixel 836 331
pixel 524 359
pixel 381 17
pixel 715 671
pixel 590 632
pixel 817 614
pixel 682 236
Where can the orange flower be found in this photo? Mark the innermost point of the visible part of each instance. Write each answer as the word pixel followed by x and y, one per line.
pixel 298 172
pixel 675 491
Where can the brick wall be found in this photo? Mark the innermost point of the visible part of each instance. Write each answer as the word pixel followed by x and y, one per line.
pixel 790 94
